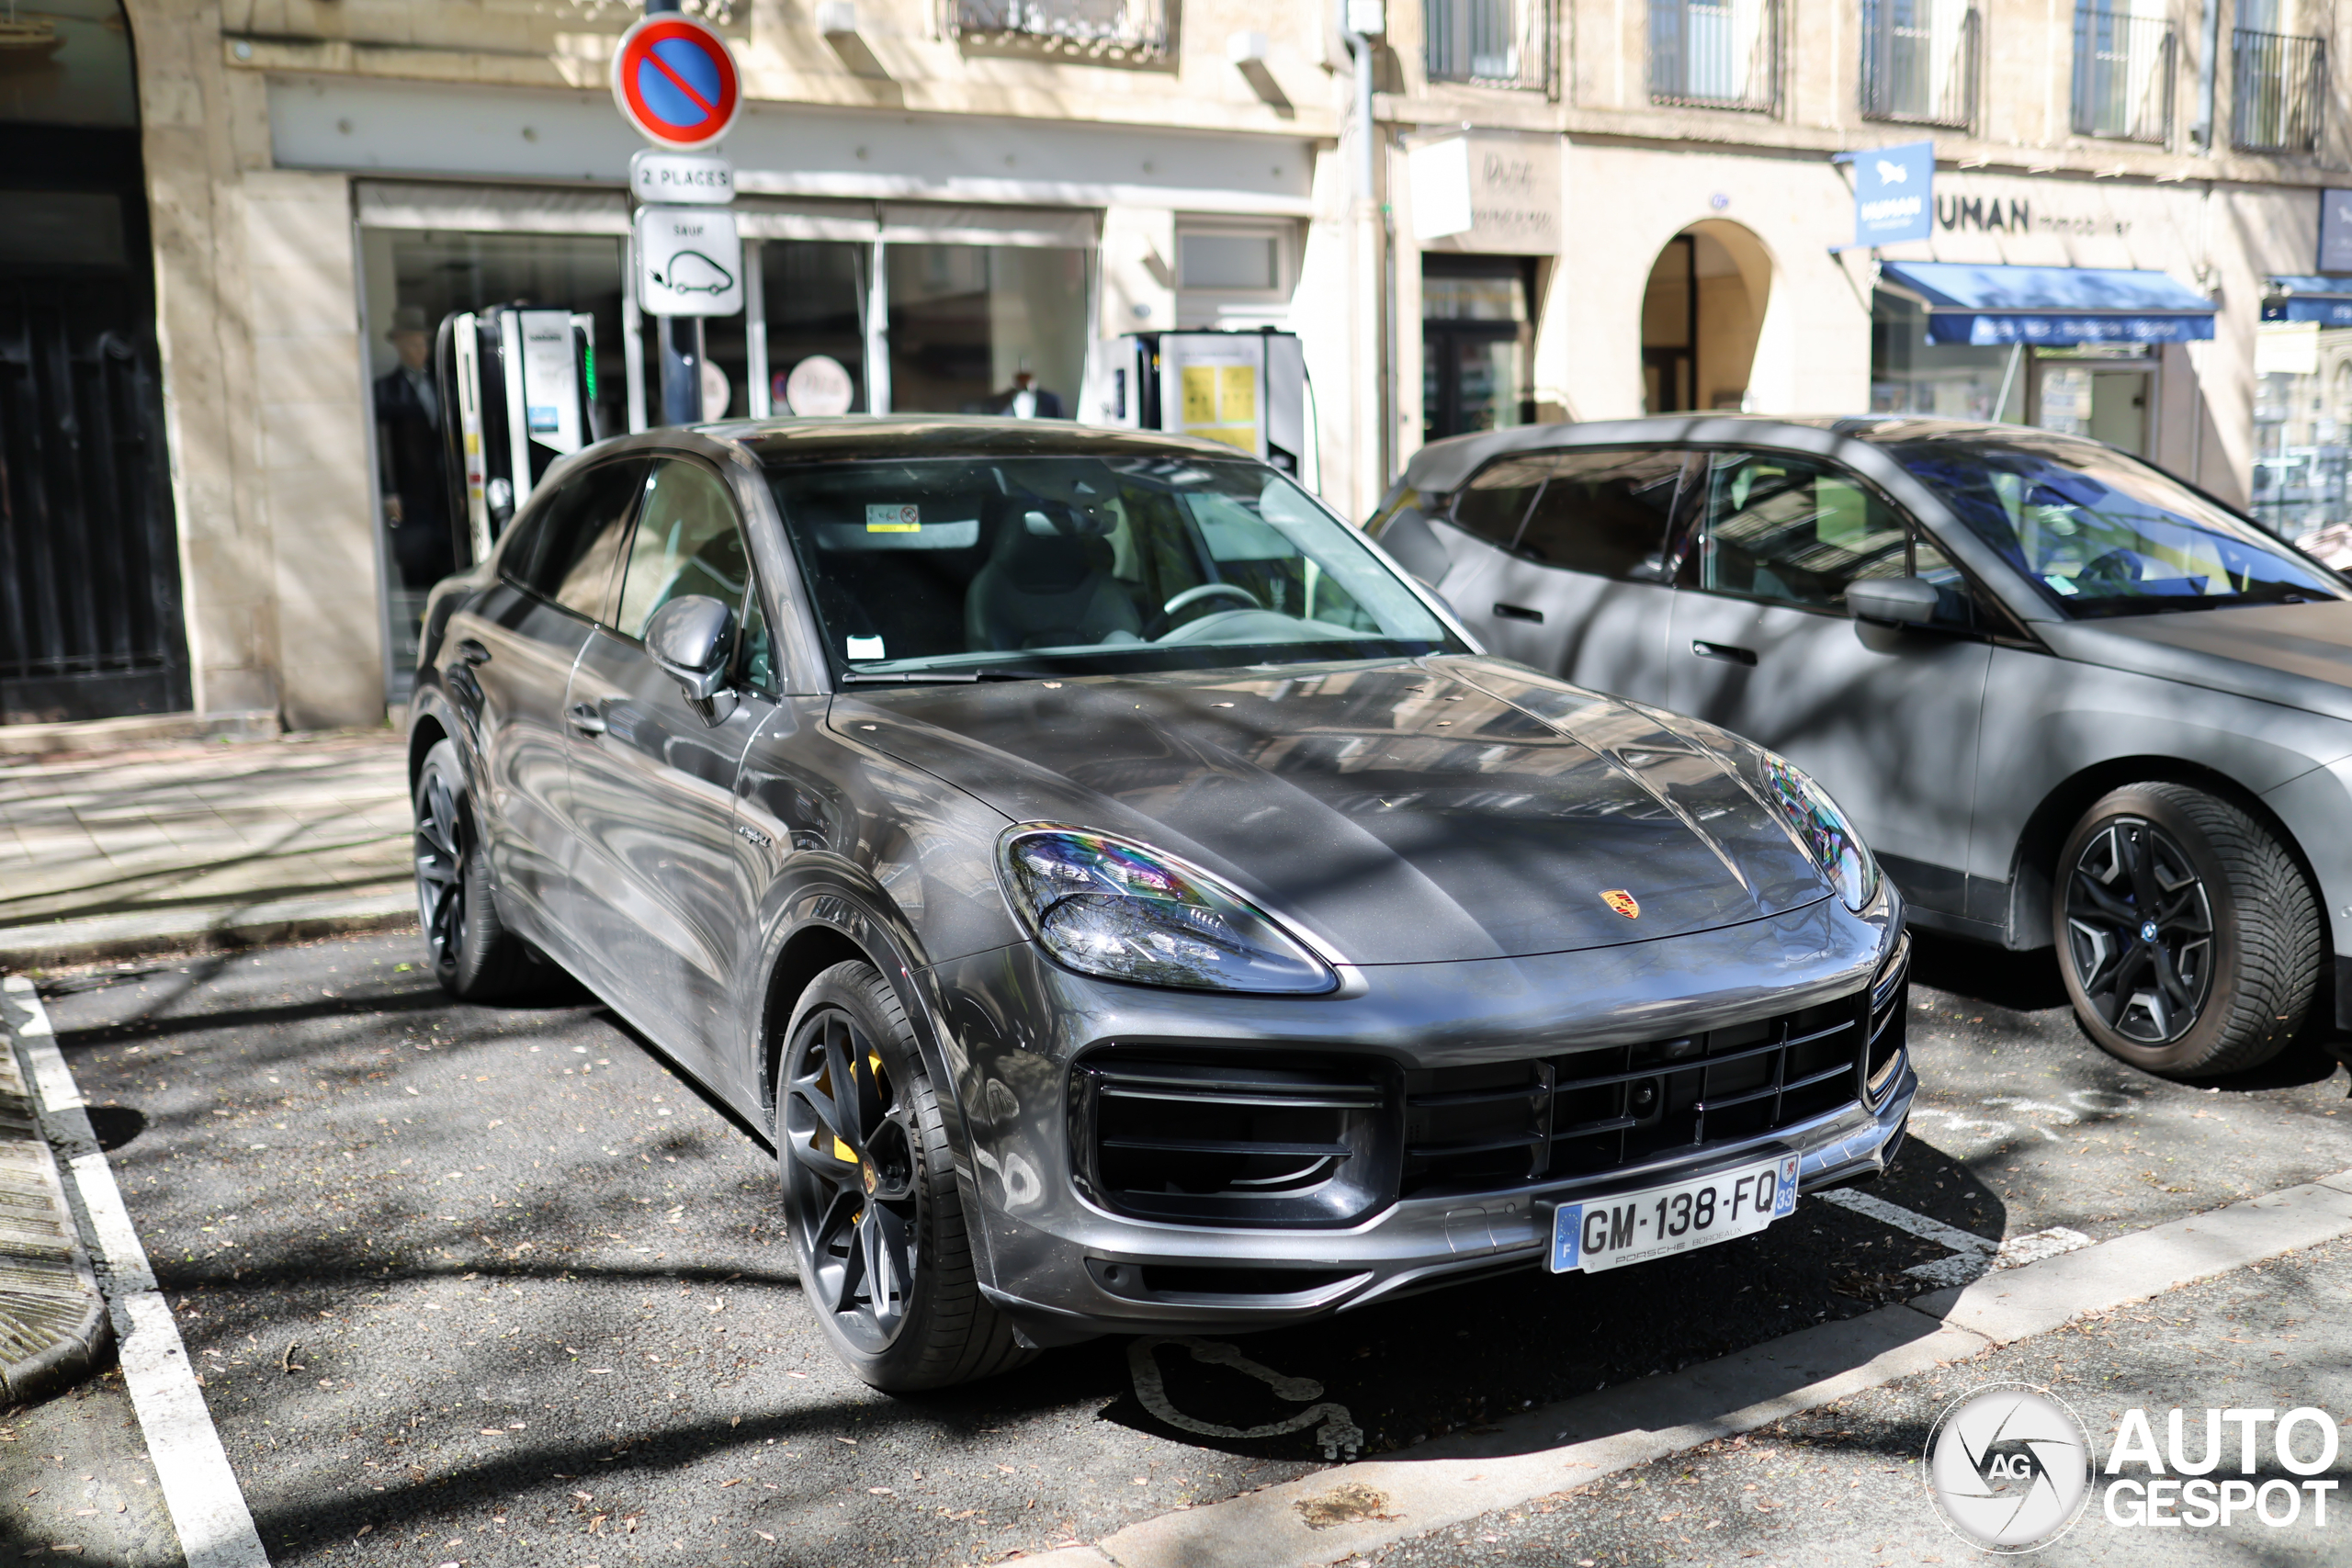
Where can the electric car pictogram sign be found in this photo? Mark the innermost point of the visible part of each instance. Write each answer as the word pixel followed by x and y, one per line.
pixel 674 79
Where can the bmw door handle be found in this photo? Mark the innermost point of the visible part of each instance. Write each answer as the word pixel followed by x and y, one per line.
pixel 586 719
pixel 1725 652
pixel 1518 612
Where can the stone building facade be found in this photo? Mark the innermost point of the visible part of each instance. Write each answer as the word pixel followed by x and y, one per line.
pixel 1581 209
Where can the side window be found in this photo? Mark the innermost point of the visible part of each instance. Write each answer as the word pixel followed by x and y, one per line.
pixel 1494 504
pixel 1604 512
pixel 1956 603
pixel 688 541
pixel 757 650
pixel 570 544
pixel 1792 531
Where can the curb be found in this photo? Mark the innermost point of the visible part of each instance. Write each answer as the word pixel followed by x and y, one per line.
pixel 214 927
pixel 54 1329
pixel 139 729
pixel 1574 1443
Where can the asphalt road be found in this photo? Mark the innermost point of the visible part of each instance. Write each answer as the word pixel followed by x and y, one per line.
pixel 496 1286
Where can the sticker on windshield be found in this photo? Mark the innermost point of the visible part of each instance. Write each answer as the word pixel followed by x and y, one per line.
pixel 907 519
pixel 864 647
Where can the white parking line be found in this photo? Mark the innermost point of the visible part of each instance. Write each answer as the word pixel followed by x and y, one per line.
pixel 1973 1257
pixel 207 1509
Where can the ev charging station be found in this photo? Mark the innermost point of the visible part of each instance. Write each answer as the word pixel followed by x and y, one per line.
pixel 1247 390
pixel 519 383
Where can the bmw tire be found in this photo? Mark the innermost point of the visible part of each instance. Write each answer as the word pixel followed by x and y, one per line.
pixel 878 1226
pixel 2187 935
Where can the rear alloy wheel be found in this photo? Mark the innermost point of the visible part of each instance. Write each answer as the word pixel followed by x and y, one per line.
pixel 869 1190
pixel 2188 936
pixel 474 956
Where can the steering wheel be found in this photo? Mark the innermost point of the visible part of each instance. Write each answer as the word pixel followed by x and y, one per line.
pixel 1192 596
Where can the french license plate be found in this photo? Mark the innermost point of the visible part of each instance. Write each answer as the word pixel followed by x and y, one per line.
pixel 1633 1227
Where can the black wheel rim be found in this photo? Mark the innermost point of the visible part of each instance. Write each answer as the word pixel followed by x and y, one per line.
pixel 852 1201
pixel 440 872
pixel 2140 932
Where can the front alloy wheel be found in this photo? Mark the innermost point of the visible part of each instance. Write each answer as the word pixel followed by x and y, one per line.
pixel 2188 936
pixel 870 1197
pixel 2140 928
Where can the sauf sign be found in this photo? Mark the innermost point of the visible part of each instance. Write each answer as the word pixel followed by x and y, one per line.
pixel 1894 193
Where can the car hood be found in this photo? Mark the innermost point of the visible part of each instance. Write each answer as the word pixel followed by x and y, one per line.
pixel 2299 656
pixel 1406 812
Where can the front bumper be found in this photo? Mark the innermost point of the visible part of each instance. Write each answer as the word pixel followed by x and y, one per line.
pixel 1063 1267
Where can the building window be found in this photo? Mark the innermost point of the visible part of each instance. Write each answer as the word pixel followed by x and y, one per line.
pixel 1717 53
pixel 1233 275
pixel 1132 30
pixel 1919 61
pixel 1504 43
pixel 1477 342
pixel 2281 88
pixel 2124 75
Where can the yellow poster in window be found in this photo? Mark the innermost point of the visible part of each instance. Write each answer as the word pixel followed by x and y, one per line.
pixel 1237 394
pixel 1200 394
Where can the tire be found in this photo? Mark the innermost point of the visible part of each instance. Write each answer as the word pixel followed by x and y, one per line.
pixel 474 956
pixel 889 1213
pixel 2227 981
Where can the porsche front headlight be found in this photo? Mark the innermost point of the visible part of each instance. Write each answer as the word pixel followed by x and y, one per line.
pixel 1125 912
pixel 1823 830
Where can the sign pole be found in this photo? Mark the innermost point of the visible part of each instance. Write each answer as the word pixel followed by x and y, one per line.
pixel 674 80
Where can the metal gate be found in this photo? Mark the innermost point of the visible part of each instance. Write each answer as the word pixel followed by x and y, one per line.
pixel 90 621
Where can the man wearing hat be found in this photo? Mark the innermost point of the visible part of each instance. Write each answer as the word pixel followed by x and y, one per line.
pixel 409 445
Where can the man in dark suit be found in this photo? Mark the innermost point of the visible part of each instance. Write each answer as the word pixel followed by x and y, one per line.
pixel 1027 400
pixel 409 445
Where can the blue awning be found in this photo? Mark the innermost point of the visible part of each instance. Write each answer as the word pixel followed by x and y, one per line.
pixel 2327 300
pixel 2051 306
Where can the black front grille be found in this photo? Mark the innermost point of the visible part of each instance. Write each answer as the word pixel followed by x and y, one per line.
pixel 1507 1123
pixel 1249 1135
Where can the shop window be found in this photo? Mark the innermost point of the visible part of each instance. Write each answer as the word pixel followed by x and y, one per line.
pixel 2303 436
pixel 986 329
pixel 1476 344
pixel 815 294
pixel 1947 380
pixel 413 279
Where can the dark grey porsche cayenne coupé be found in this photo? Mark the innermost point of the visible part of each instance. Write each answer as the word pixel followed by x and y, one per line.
pixel 1129 902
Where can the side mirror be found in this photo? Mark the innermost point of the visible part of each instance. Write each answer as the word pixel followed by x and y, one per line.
pixel 690 638
pixel 1905 601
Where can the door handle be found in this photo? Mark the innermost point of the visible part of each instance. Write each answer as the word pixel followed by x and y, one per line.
pixel 473 652
pixel 1725 652
pixel 1518 612
pixel 586 719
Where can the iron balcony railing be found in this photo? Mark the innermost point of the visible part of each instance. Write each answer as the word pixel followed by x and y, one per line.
pixel 1920 62
pixel 1717 53
pixel 1498 43
pixel 2281 88
pixel 1132 30
pixel 2123 75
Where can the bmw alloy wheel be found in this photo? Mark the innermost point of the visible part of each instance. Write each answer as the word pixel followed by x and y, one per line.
pixel 2139 932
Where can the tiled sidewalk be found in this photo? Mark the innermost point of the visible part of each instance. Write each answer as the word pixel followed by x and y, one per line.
pixel 192 838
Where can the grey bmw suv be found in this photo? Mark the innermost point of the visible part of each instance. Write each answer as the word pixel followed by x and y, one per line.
pixel 2068 699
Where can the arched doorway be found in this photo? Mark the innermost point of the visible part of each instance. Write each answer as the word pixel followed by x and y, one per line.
pixel 1702 313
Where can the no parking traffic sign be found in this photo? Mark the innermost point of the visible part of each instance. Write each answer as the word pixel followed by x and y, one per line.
pixel 674 79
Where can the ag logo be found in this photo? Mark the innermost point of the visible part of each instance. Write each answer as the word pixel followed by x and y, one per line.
pixel 2008 1467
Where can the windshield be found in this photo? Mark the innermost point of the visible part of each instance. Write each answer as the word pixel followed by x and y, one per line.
pixel 1036 565
pixel 2102 534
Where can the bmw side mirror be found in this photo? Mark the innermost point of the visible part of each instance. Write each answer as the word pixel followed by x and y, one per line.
pixel 1904 600
pixel 690 638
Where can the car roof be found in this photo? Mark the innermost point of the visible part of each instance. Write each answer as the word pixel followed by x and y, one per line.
pixel 851 437
pixel 1446 465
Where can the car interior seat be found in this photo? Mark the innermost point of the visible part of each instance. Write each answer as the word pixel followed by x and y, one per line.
pixel 1048 582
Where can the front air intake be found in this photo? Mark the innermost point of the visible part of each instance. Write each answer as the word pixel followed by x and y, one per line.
pixel 1281 1138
